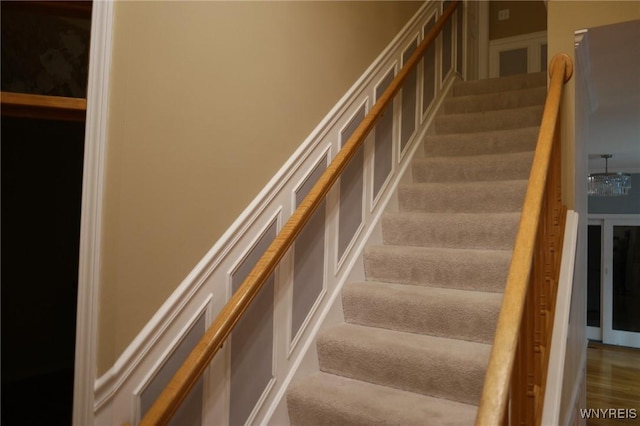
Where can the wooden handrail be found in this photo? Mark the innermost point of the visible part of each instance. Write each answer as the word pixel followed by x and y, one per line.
pixel 188 374
pixel 495 395
pixel 42 106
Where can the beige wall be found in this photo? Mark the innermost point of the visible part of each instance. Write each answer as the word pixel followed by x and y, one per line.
pixel 565 17
pixel 208 100
pixel 524 17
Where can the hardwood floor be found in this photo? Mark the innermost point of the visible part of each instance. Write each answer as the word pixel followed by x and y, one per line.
pixel 613 381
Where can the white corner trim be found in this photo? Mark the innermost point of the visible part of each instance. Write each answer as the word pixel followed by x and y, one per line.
pixel 555 372
pixel 91 212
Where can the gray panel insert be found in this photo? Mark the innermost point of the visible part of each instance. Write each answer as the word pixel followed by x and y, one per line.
pixel 513 62
pixel 351 185
pixel 383 144
pixel 459 38
pixel 429 63
pixel 409 99
pixel 308 272
pixel 252 338
pixel 190 411
pixel 447 47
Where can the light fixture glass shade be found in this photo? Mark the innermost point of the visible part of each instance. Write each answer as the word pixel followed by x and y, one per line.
pixel 608 184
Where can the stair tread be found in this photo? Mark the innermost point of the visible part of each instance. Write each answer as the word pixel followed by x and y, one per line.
pixel 493 141
pixel 468 315
pixel 463 197
pixel 451 230
pixel 428 292
pixel 500 84
pixel 444 251
pixel 486 167
pixel 475 158
pixel 388 340
pixel 454 217
pixel 431 365
pixel 505 92
pixel 480 183
pixel 472 122
pixel 496 101
pixel 468 269
pixel 324 399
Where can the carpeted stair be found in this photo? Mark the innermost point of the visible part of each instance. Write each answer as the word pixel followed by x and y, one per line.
pixel 417 334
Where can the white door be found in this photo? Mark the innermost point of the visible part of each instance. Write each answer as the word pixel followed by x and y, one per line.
pixel 613 280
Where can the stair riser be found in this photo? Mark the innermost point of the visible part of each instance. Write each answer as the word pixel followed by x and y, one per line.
pixel 442 198
pixel 467 318
pixel 470 231
pixel 452 169
pixel 479 87
pixel 468 271
pixel 499 142
pixel 488 121
pixel 495 101
pixel 407 368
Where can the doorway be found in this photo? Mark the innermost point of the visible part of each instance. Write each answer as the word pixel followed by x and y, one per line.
pixel 613 280
pixel 44 81
pixel 41 190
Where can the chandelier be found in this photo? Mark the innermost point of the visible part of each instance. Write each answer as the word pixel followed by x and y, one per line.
pixel 608 184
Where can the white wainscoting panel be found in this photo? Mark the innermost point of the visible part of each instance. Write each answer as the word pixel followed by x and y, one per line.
pixel 533 45
pixel 208 283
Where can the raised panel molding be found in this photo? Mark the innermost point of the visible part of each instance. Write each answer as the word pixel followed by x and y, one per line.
pixel 532 42
pixel 167 365
pixel 383 134
pixel 351 186
pixel 301 190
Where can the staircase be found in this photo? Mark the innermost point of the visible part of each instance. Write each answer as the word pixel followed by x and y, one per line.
pixel 417 333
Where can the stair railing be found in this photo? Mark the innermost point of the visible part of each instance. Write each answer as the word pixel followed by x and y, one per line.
pixel 516 375
pixel 196 363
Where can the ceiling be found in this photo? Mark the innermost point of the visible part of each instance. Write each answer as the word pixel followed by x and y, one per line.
pixel 608 66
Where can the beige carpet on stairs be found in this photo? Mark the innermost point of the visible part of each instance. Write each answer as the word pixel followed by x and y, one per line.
pixel 417 334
